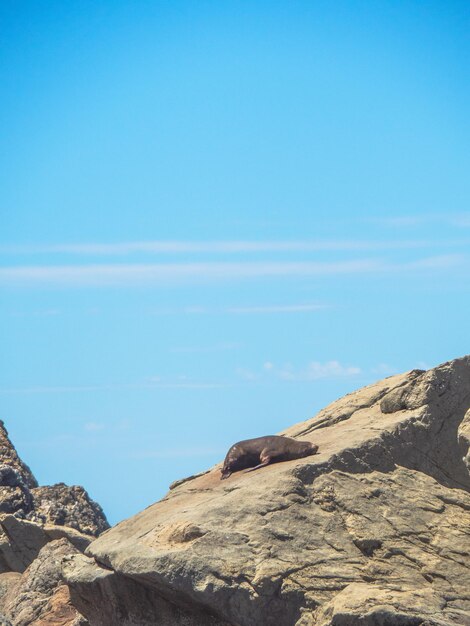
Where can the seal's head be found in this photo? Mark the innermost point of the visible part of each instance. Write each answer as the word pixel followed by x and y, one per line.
pixel 226 472
pixel 308 448
pixel 228 467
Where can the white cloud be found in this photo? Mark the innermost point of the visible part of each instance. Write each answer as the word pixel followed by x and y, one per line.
pixel 93 427
pixel 314 370
pixel 210 247
pixel 247 375
pixel 219 347
pixel 153 382
pixel 142 275
pixel 241 310
pixel 402 220
pixel 462 220
pixel 243 247
pixel 181 382
pixel 176 453
pixel 154 274
pixel 384 369
pixel 282 308
pixel 438 262
pixel 38 313
pixel 405 221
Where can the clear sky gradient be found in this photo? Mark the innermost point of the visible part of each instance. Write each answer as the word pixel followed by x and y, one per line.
pixel 217 217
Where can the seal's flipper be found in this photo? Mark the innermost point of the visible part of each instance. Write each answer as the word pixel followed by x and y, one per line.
pixel 265 461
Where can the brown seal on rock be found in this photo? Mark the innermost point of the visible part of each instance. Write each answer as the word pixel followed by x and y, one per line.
pixel 256 453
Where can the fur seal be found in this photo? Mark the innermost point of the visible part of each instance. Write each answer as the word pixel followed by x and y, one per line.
pixel 261 451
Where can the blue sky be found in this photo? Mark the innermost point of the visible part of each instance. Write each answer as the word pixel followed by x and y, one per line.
pixel 218 217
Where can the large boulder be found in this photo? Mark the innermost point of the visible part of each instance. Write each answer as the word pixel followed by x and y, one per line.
pixel 372 531
pixel 40 598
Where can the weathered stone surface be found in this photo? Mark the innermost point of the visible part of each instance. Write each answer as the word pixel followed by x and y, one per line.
pixel 20 543
pixel 8 580
pixel 61 505
pixel 15 500
pixel 57 512
pixel 394 605
pixel 16 479
pixel 40 598
pixel 9 457
pixel 76 538
pixel 109 598
pixel 372 531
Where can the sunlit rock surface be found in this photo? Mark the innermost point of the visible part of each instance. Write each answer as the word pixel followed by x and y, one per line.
pixel 372 531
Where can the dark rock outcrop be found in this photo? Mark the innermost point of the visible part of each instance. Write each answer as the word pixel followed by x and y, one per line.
pixel 67 506
pixel 39 528
pixel 9 458
pixel 59 504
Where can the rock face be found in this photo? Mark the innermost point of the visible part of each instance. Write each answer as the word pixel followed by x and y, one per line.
pixel 67 506
pixel 10 458
pixel 40 598
pixel 372 531
pixel 39 528
pixel 59 504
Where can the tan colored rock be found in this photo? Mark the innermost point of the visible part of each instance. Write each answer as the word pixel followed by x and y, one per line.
pixel 463 435
pixel 394 605
pixel 372 531
pixel 20 543
pixel 76 538
pixel 8 580
pixel 40 598
pixel 109 598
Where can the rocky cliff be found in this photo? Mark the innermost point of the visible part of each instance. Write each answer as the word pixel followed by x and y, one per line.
pixel 372 531
pixel 39 526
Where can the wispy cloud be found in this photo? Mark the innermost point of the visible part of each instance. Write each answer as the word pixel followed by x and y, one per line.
pixel 442 261
pixel 287 308
pixel 93 427
pixel 408 221
pixel 314 370
pixel 37 313
pixel 219 347
pixel 462 220
pixel 182 382
pixel 243 246
pixel 242 310
pixel 401 221
pixel 152 383
pixel 136 275
pixel 176 453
